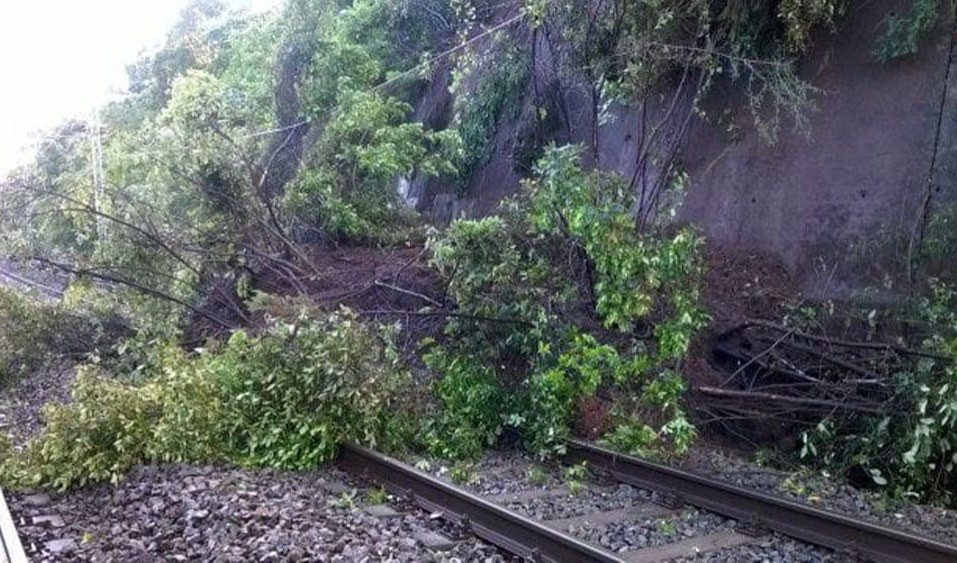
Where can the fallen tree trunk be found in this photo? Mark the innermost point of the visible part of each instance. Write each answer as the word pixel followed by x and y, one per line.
pixel 775 398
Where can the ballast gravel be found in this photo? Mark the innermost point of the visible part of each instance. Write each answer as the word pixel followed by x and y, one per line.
pixel 497 473
pixel 772 549
pixel 587 501
pixel 176 513
pixel 635 534
pixel 824 493
pixel 512 472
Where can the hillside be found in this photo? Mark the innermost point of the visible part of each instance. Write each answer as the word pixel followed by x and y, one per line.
pixel 443 226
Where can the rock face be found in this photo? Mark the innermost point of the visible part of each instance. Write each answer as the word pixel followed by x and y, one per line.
pixel 882 136
pixel 862 175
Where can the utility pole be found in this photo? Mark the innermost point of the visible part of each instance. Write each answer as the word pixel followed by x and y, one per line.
pixel 96 159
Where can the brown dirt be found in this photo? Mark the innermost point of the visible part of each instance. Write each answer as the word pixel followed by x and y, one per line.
pixel 743 284
pixel 387 285
pixel 593 418
pixel 359 277
pixel 739 285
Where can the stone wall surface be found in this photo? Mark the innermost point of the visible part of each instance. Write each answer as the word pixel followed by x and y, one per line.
pixel 883 136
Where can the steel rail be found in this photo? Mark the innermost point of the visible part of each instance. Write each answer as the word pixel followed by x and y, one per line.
pixel 11 549
pixel 796 520
pixel 511 531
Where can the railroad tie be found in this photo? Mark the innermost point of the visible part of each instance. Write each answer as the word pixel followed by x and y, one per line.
pixel 688 547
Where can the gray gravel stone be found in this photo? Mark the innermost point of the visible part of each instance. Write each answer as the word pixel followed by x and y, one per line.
pixel 825 493
pixel 772 549
pixel 225 514
pixel 651 532
pixel 591 499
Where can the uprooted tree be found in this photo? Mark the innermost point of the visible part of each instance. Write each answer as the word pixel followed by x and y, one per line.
pixel 212 204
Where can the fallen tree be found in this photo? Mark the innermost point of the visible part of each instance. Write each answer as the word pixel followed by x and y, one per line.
pixel 885 413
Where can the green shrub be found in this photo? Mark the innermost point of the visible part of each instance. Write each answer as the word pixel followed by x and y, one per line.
pixel 497 94
pixel 528 325
pixel 496 276
pixel 34 333
pixel 553 392
pixel 632 271
pixel 190 426
pixel 101 434
pixel 347 190
pixel 6 447
pixel 285 398
pixel 911 449
pixel 633 438
pixel 903 33
pixel 302 388
pixel 474 407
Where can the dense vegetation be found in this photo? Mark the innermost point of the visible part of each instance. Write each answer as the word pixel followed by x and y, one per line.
pixel 248 144
pixel 284 398
pixel 562 272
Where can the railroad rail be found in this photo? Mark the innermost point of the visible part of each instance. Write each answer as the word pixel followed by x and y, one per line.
pixel 11 550
pixel 520 535
pixel 792 519
pixel 545 541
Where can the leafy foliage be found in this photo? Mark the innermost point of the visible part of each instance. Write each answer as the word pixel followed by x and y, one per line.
pixel 285 399
pixel 472 401
pixel 184 201
pixel 522 311
pixel 34 333
pixel 496 95
pixel 627 50
pixel 910 451
pixel 593 211
pixel 903 33
pixel 553 392
pixel 349 189
pixel 302 388
pixel 104 432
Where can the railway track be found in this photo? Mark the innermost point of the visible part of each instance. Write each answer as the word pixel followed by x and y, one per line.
pixel 11 550
pixel 545 522
pixel 756 515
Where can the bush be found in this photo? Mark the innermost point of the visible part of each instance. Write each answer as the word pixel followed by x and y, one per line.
pixel 302 388
pixel 911 449
pixel 632 271
pixel 497 94
pixel 474 407
pixel 551 296
pixel 552 392
pixel 283 399
pixel 34 333
pixel 104 432
pixel 904 32
pixel 347 190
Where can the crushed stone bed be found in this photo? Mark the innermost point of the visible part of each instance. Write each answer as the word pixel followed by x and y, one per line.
pixel 179 513
pixel 497 473
pixel 820 492
pixel 635 534
pixel 507 472
pixel 587 501
pixel 773 549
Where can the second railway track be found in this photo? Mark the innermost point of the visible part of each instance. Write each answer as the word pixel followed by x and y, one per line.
pixel 755 514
